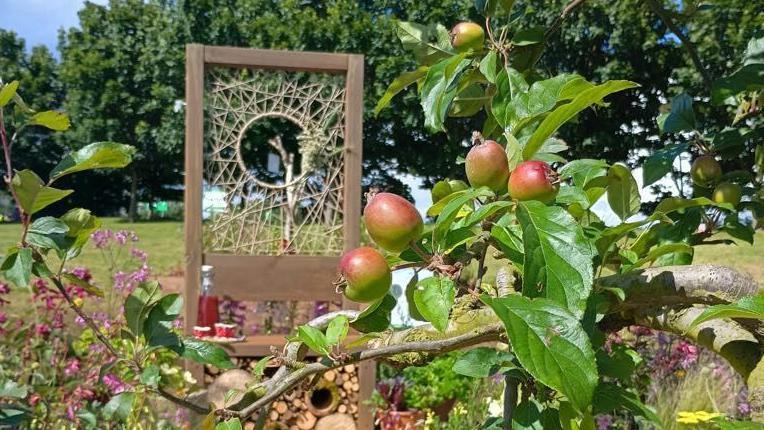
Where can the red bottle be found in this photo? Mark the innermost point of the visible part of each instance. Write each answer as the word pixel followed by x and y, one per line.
pixel 207 315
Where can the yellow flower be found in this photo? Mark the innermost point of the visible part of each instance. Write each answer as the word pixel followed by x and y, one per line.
pixel 696 417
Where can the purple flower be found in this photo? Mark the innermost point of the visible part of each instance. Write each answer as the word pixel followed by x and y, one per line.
pixel 82 273
pixel 114 384
pixel 139 254
pixel 3 317
pixel 101 238
pixel 79 321
pixel 42 329
pixel 687 354
pixel 4 288
pixel 604 422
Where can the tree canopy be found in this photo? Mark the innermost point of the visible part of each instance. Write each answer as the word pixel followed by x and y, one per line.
pixel 121 73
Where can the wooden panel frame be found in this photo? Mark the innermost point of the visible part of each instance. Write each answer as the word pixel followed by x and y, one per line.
pixel 271 272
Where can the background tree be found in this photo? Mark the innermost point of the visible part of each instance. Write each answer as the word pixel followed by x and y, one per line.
pixel 123 75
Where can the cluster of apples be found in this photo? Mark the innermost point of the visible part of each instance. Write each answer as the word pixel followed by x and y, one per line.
pixel 707 174
pixel 394 224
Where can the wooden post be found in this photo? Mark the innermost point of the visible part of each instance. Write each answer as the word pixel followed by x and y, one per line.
pixel 194 152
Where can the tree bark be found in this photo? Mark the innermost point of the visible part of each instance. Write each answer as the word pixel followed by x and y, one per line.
pixel 132 211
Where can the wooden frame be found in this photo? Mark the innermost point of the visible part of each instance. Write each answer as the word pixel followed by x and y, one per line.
pixel 287 277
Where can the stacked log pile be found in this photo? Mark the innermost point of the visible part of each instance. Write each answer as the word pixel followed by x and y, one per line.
pixel 331 403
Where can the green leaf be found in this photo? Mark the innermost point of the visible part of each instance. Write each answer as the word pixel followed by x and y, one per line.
pixel 750 77
pixel 158 327
pixel 609 398
pixel 337 330
pixel 17 266
pixel 138 304
pixel 550 344
pixel 99 155
pixel 314 339
pixel 120 406
pixel 725 424
pixel 231 424
pixel 439 90
pixel 620 363
pixel 747 307
pixel 681 116
pixel 527 416
pixel 410 288
pixel 672 204
pixel 7 92
pixel 206 353
pixel 507 240
pixel 489 66
pixel 33 194
pixel 85 285
pixel 528 36
pixel 53 120
pixel 558 257
pixel 667 249
pixel 428 43
pixel 569 195
pixel 451 210
pixel 622 191
pixel 49 233
pixel 509 84
pixel 150 376
pixel 583 171
pixel 376 317
pixel 481 362
pixel 661 162
pixel 81 224
pixel 259 368
pixel 12 389
pixel 733 227
pixel 398 85
pixel 564 113
pixel 486 7
pixel 434 298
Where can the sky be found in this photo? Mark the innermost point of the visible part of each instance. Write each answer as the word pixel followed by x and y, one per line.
pixel 38 21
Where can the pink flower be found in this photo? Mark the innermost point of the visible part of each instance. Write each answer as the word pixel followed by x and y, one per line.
pixel 58 320
pixel 4 288
pixel 101 238
pixel 82 273
pixel 42 329
pixel 79 321
pixel 687 353
pixel 72 367
pixel 114 384
pixel 34 399
pixel 139 254
pixel 3 317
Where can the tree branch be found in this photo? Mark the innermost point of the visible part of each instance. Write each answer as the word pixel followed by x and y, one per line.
pixel 557 23
pixel 673 293
pixel 686 42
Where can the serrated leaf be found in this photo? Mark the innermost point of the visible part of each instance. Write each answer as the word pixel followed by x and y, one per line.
pixel 17 266
pixel 428 43
pixel 434 298
pixel 681 116
pixel 57 121
pixel 138 304
pixel 661 162
pixel 609 398
pixel 7 92
pixel 120 406
pixel 150 376
pixel 564 113
pixel 451 210
pixel 747 307
pixel 550 344
pixel 206 353
pixel 481 362
pixel 489 66
pixel 337 330
pixel 398 85
pixel 230 424
pixel 49 233
pixel 439 90
pixel 32 193
pixel 158 327
pixel 376 317
pixel 622 191
pixel 99 155
pixel 314 339
pixel 583 171
pixel 558 258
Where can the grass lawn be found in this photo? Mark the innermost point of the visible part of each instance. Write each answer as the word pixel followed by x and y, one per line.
pixel 744 257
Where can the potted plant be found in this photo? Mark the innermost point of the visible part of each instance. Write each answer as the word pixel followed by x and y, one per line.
pixel 392 413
